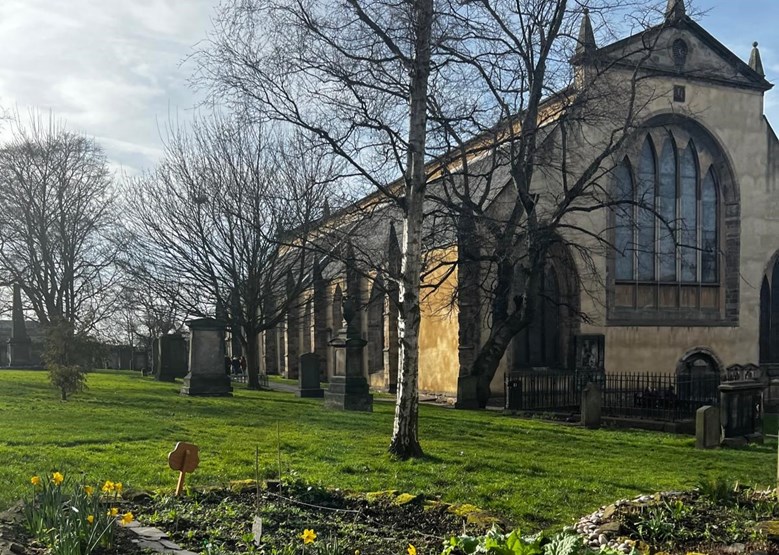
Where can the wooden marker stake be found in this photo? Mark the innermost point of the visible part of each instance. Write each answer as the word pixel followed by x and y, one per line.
pixel 183 458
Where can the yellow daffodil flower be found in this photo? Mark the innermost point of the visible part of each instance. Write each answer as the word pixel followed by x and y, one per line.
pixel 127 518
pixel 308 536
pixel 118 487
pixel 91 519
pixel 57 478
pixel 89 490
pixel 35 481
pixel 411 550
pixel 113 511
pixel 108 486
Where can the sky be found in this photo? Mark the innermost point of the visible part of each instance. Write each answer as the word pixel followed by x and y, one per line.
pixel 116 69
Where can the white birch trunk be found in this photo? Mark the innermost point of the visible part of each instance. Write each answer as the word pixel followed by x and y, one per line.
pixel 405 439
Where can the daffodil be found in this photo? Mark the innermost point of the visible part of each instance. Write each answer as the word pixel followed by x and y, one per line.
pixel 57 478
pixel 127 518
pixel 91 519
pixel 411 550
pixel 113 511
pixel 89 490
pixel 118 487
pixel 308 536
pixel 35 481
pixel 108 487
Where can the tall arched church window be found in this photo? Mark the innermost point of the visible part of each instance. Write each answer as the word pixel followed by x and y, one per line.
pixel 666 228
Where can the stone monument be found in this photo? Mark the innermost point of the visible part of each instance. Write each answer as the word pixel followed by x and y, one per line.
pixel 592 402
pixel 308 377
pixel 19 345
pixel 207 375
pixel 741 412
pixel 707 428
pixel 348 387
pixel 171 357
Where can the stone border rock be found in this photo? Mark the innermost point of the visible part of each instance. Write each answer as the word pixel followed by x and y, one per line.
pixel 598 530
pixel 155 539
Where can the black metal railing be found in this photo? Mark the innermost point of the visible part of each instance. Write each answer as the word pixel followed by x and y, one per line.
pixel 547 390
pixel 665 397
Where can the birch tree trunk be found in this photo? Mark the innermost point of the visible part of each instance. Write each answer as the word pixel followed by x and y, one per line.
pixel 405 438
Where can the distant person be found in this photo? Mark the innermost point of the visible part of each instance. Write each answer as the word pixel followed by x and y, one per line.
pixel 243 365
pixel 236 364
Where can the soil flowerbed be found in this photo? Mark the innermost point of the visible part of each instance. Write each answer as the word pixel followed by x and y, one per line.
pixel 383 523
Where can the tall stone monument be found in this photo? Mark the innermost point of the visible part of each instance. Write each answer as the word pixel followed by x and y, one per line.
pixel 19 345
pixel 170 357
pixel 348 387
pixel 207 375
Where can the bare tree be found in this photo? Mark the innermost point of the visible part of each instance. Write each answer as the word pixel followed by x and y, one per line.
pixel 355 75
pixel 56 218
pixel 207 224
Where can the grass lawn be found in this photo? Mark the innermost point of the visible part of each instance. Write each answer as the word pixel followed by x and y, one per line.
pixel 538 474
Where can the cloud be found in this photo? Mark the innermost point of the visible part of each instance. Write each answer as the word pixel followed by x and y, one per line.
pixel 108 69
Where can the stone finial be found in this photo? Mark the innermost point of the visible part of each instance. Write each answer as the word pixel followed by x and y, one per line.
pixel 326 210
pixel 675 10
pixel 393 252
pixel 586 42
pixel 755 62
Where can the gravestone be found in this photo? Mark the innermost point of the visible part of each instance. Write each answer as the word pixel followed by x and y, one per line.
pixel 348 387
pixel 19 345
pixel 741 412
pixel 707 428
pixel 171 361
pixel 308 377
pixel 592 401
pixel 206 375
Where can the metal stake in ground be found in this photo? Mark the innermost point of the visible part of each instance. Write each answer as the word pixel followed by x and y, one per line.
pixel 183 458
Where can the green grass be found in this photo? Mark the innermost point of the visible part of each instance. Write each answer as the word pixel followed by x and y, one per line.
pixel 535 473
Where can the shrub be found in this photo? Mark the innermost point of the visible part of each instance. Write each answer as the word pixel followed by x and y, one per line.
pixel 68 379
pixel 68 356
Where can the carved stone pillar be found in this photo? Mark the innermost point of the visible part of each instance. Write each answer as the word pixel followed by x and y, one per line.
pixel 468 315
pixel 294 317
pixel 321 334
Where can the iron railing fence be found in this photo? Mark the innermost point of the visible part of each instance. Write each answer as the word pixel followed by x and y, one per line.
pixel 547 390
pixel 663 397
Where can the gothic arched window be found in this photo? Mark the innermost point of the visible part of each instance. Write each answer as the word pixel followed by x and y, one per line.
pixel 666 237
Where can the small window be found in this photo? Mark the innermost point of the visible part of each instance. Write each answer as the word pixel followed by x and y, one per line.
pixel 680 93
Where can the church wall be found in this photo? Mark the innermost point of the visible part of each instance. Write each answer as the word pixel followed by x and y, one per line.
pixel 735 118
pixel 438 354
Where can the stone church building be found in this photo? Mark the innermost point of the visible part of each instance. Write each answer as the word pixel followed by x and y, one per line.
pixel 701 297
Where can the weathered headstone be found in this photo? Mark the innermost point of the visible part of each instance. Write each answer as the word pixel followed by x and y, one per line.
pixel 206 359
pixel 308 377
pixel 741 412
pixel 19 345
pixel 707 428
pixel 348 387
pixel 171 361
pixel 592 402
